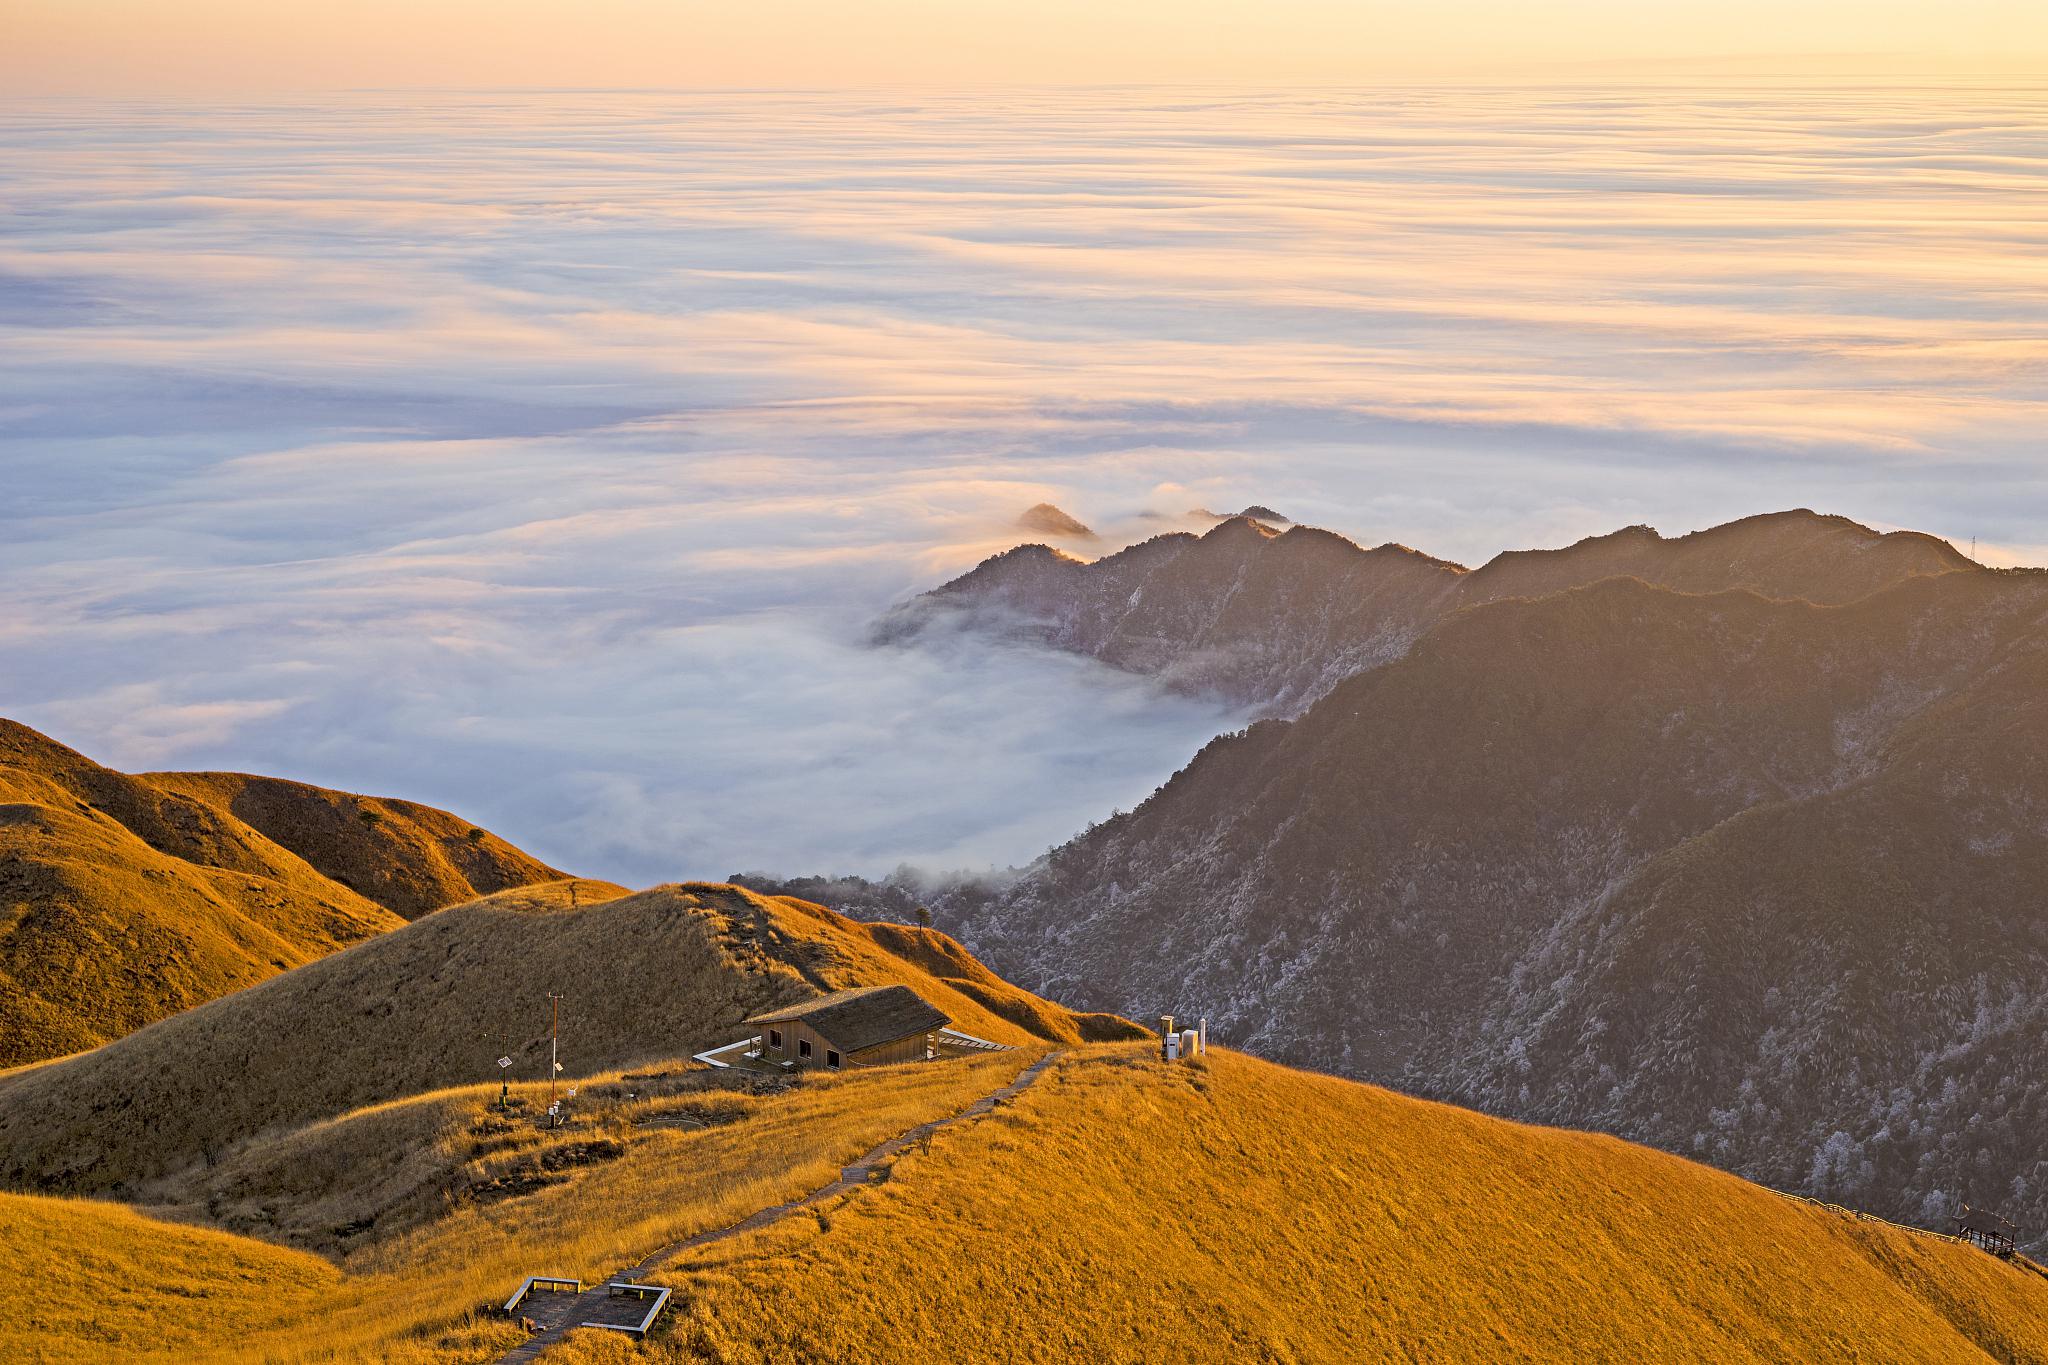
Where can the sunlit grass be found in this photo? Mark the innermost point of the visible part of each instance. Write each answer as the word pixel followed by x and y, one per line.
pixel 424 1294
pixel 1126 1211
pixel 433 1004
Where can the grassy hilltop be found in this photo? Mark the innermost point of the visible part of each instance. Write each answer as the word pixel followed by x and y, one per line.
pixel 429 1212
pixel 1121 1210
pixel 125 899
pixel 1124 1210
pixel 658 974
pixel 315 1168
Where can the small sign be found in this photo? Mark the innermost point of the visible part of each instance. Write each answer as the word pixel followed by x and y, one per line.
pixel 504 1061
pixel 558 1066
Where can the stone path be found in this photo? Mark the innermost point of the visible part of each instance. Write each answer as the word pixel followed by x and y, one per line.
pixel 556 1313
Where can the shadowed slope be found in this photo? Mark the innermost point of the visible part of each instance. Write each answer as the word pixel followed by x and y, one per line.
pixel 659 974
pixel 410 859
pixel 125 899
pixel 1798 554
pixel 1755 880
pixel 1126 1210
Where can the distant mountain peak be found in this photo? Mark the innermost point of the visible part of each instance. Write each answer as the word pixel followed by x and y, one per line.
pixel 1049 520
pixel 1032 552
pixel 1255 512
pixel 1231 527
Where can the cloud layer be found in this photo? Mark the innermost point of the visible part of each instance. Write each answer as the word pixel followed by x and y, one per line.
pixel 543 456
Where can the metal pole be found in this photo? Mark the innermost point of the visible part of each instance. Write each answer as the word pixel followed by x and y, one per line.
pixel 554 1036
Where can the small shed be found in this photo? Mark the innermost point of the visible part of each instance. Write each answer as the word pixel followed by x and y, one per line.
pixel 869 1026
pixel 1983 1228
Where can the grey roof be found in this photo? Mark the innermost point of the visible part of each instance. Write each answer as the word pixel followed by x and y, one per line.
pixel 862 1018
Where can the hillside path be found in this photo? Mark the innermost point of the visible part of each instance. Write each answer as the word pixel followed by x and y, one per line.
pixel 556 1314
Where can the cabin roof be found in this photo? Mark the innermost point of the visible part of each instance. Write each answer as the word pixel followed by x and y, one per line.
pixel 862 1018
pixel 1984 1220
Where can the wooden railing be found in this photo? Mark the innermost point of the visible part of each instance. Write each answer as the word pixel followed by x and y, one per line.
pixel 560 1283
pixel 620 1289
pixel 955 1038
pixel 2014 1256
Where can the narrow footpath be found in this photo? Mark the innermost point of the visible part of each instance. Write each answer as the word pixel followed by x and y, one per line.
pixel 556 1313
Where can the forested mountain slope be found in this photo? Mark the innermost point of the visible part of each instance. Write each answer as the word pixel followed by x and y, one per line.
pixel 1755 880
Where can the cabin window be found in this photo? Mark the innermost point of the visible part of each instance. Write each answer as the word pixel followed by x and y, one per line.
pixel 775 1039
pixel 831 1057
pixel 803 1047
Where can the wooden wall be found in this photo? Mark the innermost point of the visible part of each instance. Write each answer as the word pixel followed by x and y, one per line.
pixel 909 1049
pixel 794 1032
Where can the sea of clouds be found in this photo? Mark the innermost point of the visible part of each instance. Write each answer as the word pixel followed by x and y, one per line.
pixel 546 456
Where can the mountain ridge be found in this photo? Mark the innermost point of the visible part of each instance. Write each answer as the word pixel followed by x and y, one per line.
pixel 1271 620
pixel 126 898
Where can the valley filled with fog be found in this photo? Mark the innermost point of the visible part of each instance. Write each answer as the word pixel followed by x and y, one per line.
pixel 548 457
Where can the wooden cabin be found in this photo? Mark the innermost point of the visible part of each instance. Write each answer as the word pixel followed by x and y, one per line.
pixel 1983 1228
pixel 870 1026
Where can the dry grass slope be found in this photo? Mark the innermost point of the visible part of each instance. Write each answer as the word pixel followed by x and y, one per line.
pixel 1120 1211
pixel 1124 1211
pixel 122 902
pixel 410 859
pixel 445 1239
pixel 99 1282
pixel 127 899
pixel 658 974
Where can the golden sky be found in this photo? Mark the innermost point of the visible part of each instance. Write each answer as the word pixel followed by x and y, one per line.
pixel 167 46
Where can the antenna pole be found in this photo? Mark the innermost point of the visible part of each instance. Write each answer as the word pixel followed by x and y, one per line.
pixel 554 1037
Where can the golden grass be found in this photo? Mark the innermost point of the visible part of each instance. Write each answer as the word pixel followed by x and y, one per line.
pixel 1119 1211
pixel 124 900
pixel 845 952
pixel 101 933
pixel 1125 1211
pixel 409 858
pixel 98 1282
pixel 417 1295
pixel 434 1003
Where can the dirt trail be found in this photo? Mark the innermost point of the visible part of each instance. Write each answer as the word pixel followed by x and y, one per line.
pixel 556 1313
